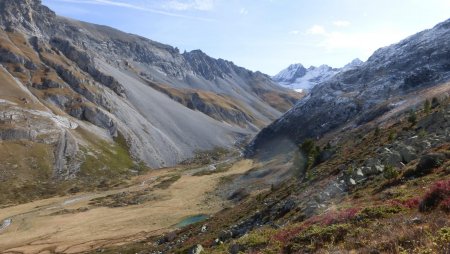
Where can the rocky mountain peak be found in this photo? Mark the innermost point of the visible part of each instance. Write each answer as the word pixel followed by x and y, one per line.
pixel 443 25
pixel 291 73
pixel 27 15
pixel 297 77
pixel 355 63
pixel 207 66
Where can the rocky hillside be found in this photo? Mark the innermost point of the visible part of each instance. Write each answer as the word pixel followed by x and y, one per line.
pixel 165 104
pixel 300 79
pixel 373 189
pixel 393 79
pixel 79 99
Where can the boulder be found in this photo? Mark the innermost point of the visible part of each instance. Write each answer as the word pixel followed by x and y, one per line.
pixel 426 165
pixel 225 235
pixel 408 153
pixel 373 167
pixel 391 157
pixel 430 161
pixel 236 248
pixel 424 145
pixel 196 249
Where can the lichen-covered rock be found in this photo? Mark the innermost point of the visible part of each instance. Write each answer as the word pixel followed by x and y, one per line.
pixel 408 153
pixel 391 157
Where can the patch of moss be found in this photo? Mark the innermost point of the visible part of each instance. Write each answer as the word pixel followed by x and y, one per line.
pixel 257 238
pixel 378 212
pixel 317 236
pixel 443 235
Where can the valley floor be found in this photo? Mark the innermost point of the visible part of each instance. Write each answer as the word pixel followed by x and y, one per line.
pixel 152 203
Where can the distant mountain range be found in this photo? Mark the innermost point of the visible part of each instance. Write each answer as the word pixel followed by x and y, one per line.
pixel 300 79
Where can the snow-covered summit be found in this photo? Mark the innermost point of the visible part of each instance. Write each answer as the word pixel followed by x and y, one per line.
pixel 291 73
pixel 299 78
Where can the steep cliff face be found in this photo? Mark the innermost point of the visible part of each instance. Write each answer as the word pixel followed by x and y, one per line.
pixel 389 81
pixel 102 76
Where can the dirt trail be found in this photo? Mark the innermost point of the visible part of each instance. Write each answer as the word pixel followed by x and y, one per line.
pixel 72 224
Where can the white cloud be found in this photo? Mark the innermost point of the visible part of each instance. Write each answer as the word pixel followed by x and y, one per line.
pixel 316 29
pixel 367 42
pixel 243 11
pixel 197 4
pixel 294 32
pixel 179 5
pixel 341 23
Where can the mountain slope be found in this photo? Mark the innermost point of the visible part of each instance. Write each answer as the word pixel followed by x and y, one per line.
pixel 113 80
pixel 390 80
pixel 378 192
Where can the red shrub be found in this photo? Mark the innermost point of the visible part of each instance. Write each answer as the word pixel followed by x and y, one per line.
pixel 445 205
pixel 439 191
pixel 411 203
pixel 325 220
pixel 286 235
pixel 340 216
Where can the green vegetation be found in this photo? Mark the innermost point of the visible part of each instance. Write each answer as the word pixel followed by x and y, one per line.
pixel 390 172
pixel 106 164
pixel 422 134
pixel 257 238
pixel 443 236
pixel 378 212
pixel 317 236
pixel 435 102
pixel 412 117
pixel 207 157
pixel 427 106
pixel 311 151
pixel 392 135
pixel 377 132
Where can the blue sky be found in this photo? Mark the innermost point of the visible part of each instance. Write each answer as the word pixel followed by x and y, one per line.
pixel 266 35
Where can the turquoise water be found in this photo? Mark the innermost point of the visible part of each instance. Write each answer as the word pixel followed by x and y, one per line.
pixel 191 220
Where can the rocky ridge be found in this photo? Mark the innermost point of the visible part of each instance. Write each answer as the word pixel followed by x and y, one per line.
pixel 389 81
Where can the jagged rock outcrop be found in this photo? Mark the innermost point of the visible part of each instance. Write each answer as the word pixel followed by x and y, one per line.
pixel 86 63
pixel 66 162
pixel 387 82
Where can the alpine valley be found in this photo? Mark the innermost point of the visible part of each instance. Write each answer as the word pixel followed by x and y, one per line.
pixel 114 143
